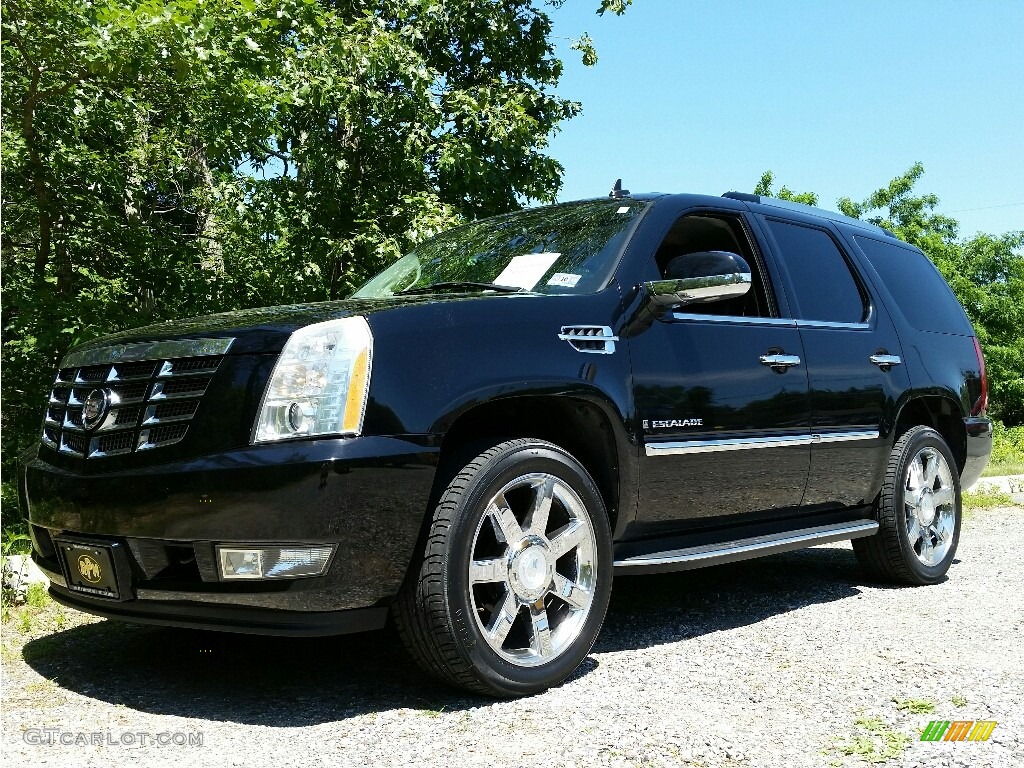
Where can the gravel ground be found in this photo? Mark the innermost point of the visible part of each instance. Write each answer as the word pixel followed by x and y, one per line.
pixel 793 660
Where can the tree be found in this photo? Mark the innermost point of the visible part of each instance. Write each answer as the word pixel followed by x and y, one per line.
pixel 166 158
pixel 764 188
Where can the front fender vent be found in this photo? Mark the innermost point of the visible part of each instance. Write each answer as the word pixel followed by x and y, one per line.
pixel 596 339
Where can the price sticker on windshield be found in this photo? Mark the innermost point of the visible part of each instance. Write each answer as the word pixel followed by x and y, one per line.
pixel 526 271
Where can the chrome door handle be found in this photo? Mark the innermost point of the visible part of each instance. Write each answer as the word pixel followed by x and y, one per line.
pixel 885 362
pixel 780 363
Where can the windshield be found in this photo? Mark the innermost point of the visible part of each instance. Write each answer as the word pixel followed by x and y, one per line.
pixel 569 248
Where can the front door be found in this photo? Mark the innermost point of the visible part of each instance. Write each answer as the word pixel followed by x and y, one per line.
pixel 724 433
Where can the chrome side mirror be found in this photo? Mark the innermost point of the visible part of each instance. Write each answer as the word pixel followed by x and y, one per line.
pixel 700 278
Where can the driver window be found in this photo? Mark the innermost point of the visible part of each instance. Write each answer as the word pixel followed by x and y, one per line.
pixel 703 232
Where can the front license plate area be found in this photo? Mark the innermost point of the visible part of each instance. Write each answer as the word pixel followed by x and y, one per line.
pixel 89 568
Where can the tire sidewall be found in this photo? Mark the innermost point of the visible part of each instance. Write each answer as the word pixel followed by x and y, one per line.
pixel 498 673
pixel 925 438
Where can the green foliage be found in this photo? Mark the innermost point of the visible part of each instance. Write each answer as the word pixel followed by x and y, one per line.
pixel 874 741
pixel 986 272
pixel 163 159
pixel 986 499
pixel 914 706
pixel 764 187
pixel 1007 446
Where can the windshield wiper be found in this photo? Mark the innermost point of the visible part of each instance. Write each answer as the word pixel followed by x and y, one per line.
pixel 451 285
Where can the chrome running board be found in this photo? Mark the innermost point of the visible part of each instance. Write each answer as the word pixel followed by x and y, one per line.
pixel 743 549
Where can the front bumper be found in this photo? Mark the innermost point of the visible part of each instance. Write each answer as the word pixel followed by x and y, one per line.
pixel 979 449
pixel 365 496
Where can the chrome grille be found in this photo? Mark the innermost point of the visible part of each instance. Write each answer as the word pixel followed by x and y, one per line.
pixel 150 402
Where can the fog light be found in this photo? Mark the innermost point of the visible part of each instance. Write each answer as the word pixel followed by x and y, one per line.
pixel 289 562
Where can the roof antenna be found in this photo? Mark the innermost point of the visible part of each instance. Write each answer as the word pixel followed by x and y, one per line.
pixel 617 190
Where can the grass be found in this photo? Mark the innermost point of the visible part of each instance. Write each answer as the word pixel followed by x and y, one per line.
pixel 873 741
pixel 914 706
pixel 1001 468
pixel 959 700
pixel 986 499
pixel 35 596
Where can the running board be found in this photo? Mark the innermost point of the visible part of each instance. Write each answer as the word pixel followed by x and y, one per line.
pixel 743 549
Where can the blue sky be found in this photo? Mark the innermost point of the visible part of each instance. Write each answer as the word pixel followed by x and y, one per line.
pixel 833 97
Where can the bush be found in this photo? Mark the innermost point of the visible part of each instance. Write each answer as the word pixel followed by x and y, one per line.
pixel 1007 451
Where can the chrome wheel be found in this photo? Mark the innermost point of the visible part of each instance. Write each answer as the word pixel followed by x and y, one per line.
pixel 929 498
pixel 533 569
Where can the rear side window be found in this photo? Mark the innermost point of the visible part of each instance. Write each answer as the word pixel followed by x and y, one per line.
pixel 917 286
pixel 825 288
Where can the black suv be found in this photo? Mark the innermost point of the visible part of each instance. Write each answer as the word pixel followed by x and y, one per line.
pixel 487 431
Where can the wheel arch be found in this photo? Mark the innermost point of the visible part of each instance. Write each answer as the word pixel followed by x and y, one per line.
pixel 585 425
pixel 940 412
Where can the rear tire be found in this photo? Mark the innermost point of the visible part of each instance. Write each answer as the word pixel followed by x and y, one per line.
pixel 512 588
pixel 919 512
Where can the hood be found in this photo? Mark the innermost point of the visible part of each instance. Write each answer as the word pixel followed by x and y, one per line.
pixel 262 330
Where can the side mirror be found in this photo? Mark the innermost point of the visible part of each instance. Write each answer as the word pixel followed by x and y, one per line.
pixel 699 278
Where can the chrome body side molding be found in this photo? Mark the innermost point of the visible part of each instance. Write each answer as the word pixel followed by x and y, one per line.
pixel 677 448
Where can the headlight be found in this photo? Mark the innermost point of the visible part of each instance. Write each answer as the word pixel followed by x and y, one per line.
pixel 320 383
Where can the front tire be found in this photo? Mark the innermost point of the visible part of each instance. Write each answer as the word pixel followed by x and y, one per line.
pixel 512 588
pixel 919 512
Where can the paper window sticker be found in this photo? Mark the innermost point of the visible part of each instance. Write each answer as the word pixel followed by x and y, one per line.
pixel 526 271
pixel 623 209
pixel 564 280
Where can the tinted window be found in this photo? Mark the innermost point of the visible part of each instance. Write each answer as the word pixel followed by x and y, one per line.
pixel 825 288
pixel 919 289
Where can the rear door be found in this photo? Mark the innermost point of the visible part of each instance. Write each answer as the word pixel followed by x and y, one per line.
pixel 854 362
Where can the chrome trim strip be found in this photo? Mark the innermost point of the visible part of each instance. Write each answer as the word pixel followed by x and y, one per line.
pixel 114 376
pixel 830 324
pixel 96 453
pixel 150 416
pixel 735 320
pixel 676 448
pixel 167 370
pixel 110 422
pixel 734 548
pixel 69 426
pixel 65 448
pixel 842 437
pixel 729 444
pixel 143 443
pixel 150 350
pixel 156 392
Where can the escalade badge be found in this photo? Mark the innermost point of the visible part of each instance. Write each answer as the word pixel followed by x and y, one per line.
pixel 671 423
pixel 95 408
pixel 89 569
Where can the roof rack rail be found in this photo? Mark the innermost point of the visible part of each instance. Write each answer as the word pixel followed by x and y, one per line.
pixel 789 205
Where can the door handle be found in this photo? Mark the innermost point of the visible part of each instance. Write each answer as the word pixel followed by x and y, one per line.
pixel 780 363
pixel 885 362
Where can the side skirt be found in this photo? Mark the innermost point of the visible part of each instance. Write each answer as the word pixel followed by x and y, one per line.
pixel 742 549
